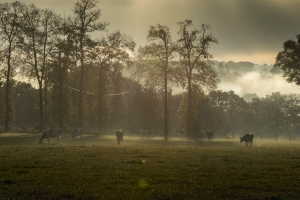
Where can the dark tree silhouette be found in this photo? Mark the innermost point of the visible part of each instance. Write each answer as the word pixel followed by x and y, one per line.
pixel 195 62
pixel 86 20
pixel 154 63
pixel 289 60
pixel 10 36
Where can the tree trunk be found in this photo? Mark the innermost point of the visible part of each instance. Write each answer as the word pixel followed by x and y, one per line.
pixel 60 93
pixel 189 119
pixel 100 98
pixel 7 92
pixel 80 107
pixel 41 105
pixel 46 114
pixel 166 128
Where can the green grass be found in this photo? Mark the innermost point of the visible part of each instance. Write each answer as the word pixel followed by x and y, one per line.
pixel 95 167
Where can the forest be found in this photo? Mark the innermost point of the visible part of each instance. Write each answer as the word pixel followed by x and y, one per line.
pixel 71 72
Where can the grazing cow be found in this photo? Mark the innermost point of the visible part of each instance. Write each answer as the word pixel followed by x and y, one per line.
pixel 51 133
pixel 210 135
pixel 248 138
pixel 145 133
pixel 77 132
pixel 119 136
pixel 148 133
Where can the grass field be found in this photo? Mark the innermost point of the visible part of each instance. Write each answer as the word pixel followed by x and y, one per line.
pixel 95 167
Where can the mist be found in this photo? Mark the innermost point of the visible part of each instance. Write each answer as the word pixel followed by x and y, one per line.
pixel 252 80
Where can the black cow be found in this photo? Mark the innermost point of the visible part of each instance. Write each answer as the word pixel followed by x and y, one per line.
pixel 51 133
pixel 210 135
pixel 248 138
pixel 119 136
pixel 77 132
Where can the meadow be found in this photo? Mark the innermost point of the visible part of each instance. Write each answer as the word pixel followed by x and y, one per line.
pixel 96 167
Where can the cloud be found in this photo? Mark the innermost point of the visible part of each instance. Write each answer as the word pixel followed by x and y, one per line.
pixel 259 80
pixel 246 29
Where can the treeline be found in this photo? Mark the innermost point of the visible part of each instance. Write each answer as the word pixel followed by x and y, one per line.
pixel 79 81
pixel 226 113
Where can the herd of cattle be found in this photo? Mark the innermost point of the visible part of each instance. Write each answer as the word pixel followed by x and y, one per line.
pixel 56 132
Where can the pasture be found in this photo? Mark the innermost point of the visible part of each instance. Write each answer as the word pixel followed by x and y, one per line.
pixel 95 167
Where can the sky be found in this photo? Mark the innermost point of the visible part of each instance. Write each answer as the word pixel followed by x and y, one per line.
pixel 247 30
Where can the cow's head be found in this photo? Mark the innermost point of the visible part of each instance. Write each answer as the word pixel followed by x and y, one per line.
pixel 242 139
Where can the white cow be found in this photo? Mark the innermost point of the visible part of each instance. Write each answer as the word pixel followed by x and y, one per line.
pixel 77 132
pixel 51 133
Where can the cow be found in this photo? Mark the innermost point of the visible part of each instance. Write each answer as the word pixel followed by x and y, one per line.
pixel 248 138
pixel 119 136
pixel 77 132
pixel 51 133
pixel 210 135
pixel 145 133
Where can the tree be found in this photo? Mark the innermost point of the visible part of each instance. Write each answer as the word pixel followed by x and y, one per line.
pixel 292 109
pixel 110 55
pixel 154 60
pixel 195 62
pixel 10 18
pixel 198 95
pixel 26 100
pixel 63 59
pixel 1 87
pixel 143 108
pixel 234 106
pixel 86 20
pixel 40 29
pixel 288 60
pixel 210 117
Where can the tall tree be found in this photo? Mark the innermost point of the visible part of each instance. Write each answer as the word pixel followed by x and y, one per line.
pixel 61 63
pixel 40 28
pixel 86 20
pixel 195 62
pixel 10 17
pixel 154 63
pixel 288 60
pixel 109 55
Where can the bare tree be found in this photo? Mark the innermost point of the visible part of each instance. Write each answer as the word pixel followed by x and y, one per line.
pixel 10 17
pixel 195 62
pixel 86 20
pixel 154 60
pixel 40 29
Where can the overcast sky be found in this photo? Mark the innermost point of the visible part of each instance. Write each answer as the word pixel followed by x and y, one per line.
pixel 247 30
